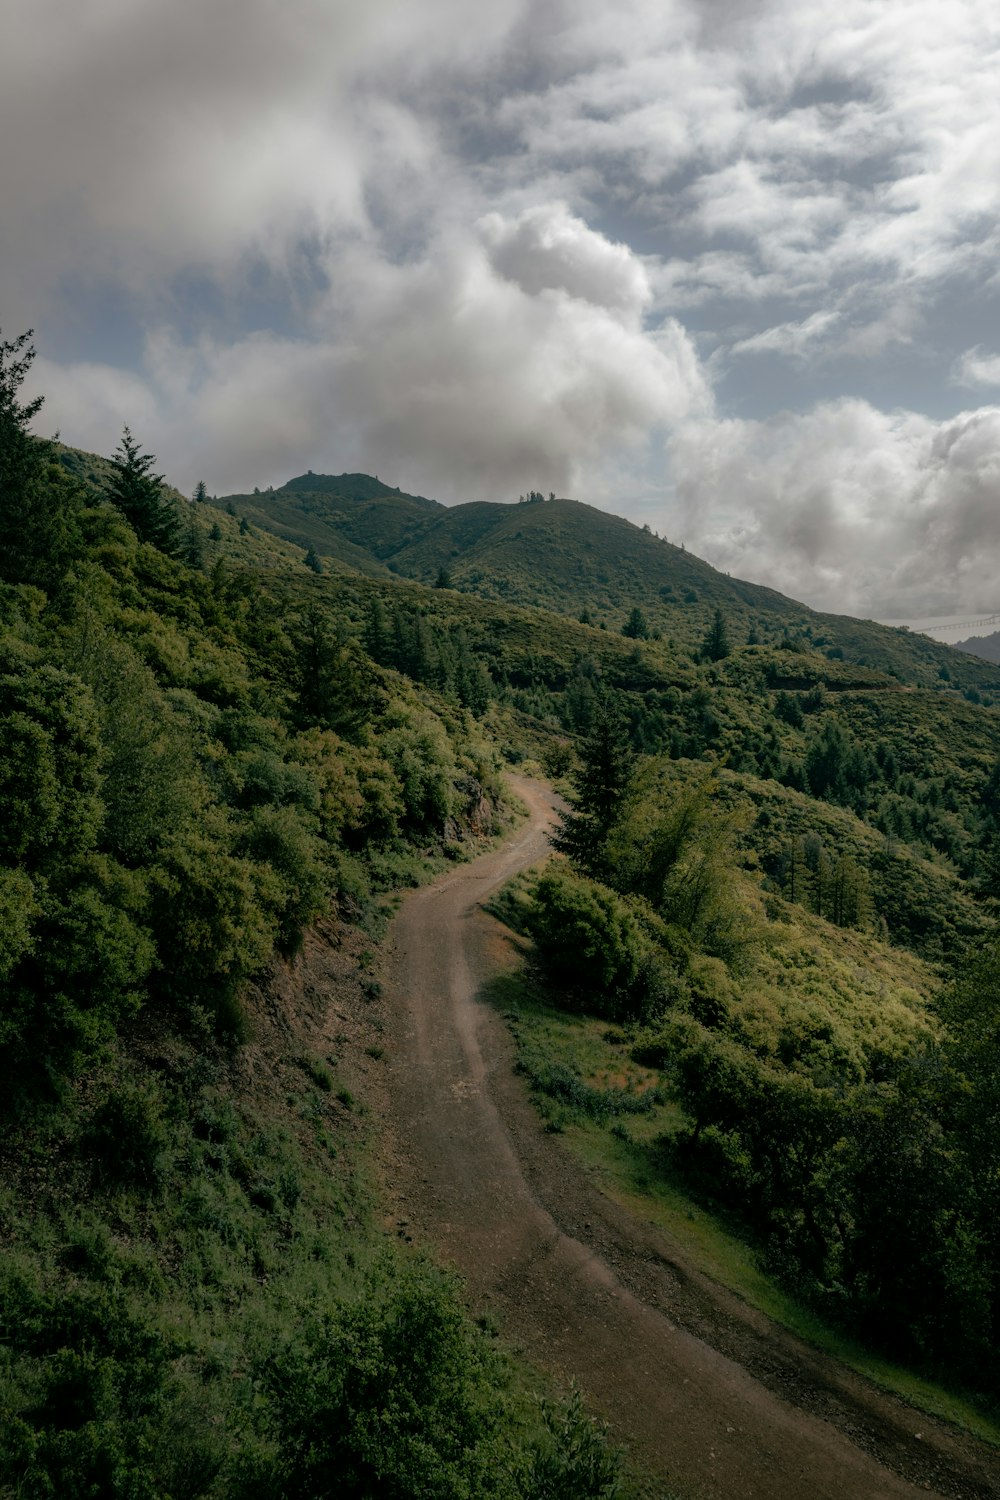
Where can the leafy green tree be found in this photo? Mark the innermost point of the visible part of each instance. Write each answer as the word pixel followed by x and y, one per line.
pixel 394 1396
pixel 50 805
pixel 970 1006
pixel 138 494
pixel 285 839
pixel 589 943
pixel 312 559
pixel 678 852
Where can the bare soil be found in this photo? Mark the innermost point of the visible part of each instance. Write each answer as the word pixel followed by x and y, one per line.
pixel 712 1396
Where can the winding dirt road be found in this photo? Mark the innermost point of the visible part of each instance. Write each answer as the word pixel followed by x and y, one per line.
pixel 712 1396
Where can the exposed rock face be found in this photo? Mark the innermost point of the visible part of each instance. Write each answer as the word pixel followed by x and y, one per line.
pixel 477 817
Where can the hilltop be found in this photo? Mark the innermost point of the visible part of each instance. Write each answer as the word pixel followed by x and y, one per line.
pixel 351 519
pixel 985 646
pixel 573 559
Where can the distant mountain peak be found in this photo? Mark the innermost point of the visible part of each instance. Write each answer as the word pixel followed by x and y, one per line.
pixel 350 487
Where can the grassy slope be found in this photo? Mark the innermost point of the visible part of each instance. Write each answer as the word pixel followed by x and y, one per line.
pixel 350 518
pixel 567 556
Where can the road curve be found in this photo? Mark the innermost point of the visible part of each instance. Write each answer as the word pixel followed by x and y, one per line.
pixel 713 1397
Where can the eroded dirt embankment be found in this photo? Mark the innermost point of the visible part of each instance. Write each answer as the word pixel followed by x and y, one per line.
pixel 716 1398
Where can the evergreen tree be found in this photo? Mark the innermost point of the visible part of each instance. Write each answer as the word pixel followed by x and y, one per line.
pixel 200 494
pixel 716 643
pixel 311 559
pixel 377 634
pixel 194 547
pixel 38 504
pixel 336 687
pixel 443 579
pixel 636 627
pixel 601 785
pixel 138 494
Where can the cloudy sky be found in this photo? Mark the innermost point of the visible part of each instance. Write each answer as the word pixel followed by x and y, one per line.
pixel 728 267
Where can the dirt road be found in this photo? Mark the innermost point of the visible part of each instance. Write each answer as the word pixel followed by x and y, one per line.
pixel 713 1396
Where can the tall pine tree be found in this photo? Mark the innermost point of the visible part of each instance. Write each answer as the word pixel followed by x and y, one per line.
pixel 601 786
pixel 38 502
pixel 138 494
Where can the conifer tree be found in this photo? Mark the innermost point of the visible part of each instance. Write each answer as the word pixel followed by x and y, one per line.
pixel 377 634
pixel 601 786
pixel 336 688
pixel 716 644
pixel 138 494
pixel 38 504
pixel 636 627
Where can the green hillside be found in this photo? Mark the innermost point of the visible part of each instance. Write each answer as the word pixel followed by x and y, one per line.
pixel 350 518
pixel 985 646
pixel 208 794
pixel 572 559
pixel 776 897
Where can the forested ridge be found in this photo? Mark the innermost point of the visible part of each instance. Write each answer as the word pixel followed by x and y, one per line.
pixel 776 893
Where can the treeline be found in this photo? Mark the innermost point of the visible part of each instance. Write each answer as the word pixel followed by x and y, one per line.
pixel 857 1152
pixel 435 654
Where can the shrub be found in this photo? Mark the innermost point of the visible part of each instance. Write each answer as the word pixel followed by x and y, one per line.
pixel 395 1396
pixel 590 942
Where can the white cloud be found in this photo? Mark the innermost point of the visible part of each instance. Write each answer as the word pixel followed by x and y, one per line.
pixel 976 367
pixel 792 339
pixel 852 509
pixel 447 373
pixel 511 361
pixel 165 137
pixel 88 403
pixel 547 249
pixel 473 232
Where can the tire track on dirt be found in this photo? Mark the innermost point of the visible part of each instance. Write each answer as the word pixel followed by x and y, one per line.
pixel 718 1400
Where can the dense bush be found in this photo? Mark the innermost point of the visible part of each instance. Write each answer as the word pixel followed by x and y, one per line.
pixel 398 1395
pixel 591 944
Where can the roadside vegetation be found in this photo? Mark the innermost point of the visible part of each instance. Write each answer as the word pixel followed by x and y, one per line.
pixel 829 1093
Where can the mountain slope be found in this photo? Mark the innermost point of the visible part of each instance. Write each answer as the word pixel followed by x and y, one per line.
pixel 987 647
pixel 352 518
pixel 576 560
